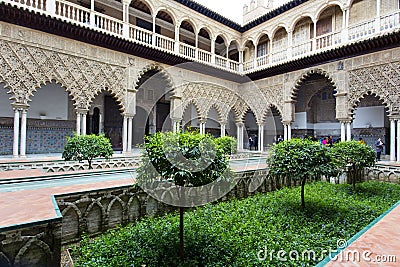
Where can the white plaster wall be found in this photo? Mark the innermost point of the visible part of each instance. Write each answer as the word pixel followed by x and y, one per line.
pixel 50 99
pixel 369 117
pixel 5 103
pixel 212 119
pixel 300 120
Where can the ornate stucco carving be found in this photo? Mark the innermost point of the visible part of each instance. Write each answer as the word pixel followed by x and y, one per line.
pixel 25 68
pixel 380 80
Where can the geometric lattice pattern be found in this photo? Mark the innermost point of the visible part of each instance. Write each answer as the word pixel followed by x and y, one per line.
pixel 205 96
pixel 380 80
pixel 25 68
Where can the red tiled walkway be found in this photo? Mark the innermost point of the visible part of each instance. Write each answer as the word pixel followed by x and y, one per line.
pixel 378 246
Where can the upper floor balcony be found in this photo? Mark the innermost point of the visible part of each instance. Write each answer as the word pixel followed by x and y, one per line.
pixel 333 26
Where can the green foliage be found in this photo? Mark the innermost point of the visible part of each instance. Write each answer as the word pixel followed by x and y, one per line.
pixel 87 147
pixel 232 233
pixel 354 155
pixel 188 159
pixel 299 159
pixel 228 144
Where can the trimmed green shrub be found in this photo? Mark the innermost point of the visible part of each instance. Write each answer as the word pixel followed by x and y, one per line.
pixel 233 233
pixel 352 157
pixel 228 144
pixel 87 147
pixel 188 159
pixel 299 159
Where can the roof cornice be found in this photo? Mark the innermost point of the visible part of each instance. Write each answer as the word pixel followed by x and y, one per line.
pixel 235 26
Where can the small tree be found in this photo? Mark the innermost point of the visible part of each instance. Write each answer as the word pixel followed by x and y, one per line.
pixel 186 159
pixel 228 144
pixel 353 157
pixel 87 147
pixel 300 160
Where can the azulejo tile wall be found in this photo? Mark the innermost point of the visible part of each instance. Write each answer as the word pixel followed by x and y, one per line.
pixel 42 136
pixel 6 140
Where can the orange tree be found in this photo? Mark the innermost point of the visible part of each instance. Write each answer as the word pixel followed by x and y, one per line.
pixel 87 147
pixel 300 159
pixel 181 162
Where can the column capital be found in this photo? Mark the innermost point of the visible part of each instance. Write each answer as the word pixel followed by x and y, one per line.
pixel 82 110
pixel 239 124
pixel 286 122
pixel 126 2
pixel 128 115
pixel 222 122
pixel 345 120
pixel 20 106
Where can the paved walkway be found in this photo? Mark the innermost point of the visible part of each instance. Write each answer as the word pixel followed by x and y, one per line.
pixel 377 245
pixel 30 201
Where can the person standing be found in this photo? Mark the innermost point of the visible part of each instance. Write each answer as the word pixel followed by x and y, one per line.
pixel 255 141
pixel 378 148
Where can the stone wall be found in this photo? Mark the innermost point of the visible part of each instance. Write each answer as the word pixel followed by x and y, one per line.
pixel 35 244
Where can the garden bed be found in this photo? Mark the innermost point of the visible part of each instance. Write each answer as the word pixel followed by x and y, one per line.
pixel 247 232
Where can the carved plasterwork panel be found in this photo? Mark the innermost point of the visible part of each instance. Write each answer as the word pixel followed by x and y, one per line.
pixel 25 68
pixel 205 96
pixel 380 80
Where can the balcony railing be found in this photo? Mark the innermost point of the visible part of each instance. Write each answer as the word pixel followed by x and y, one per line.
pixel 76 14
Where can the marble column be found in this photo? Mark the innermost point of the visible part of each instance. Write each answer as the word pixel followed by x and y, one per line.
pixel 240 135
pixel 285 132
pixel 398 140
pixel 16 133
pixel 392 140
pixel 289 131
pixel 84 123
pixel 260 138
pixel 348 125
pixel 223 129
pixel 342 131
pixel 23 133
pixel 124 134
pixel 130 131
pixel 78 123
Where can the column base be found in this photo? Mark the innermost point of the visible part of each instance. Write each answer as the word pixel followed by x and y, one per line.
pixel 15 157
pixel 22 157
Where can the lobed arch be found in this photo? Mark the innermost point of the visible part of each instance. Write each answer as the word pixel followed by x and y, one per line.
pixel 161 71
pixel 116 97
pixel 196 105
pixel 80 76
pixel 265 113
pixel 327 5
pixel 356 99
pixel 300 81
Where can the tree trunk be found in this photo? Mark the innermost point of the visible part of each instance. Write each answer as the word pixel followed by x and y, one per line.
pixel 303 183
pixel 354 178
pixel 90 164
pixel 181 244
